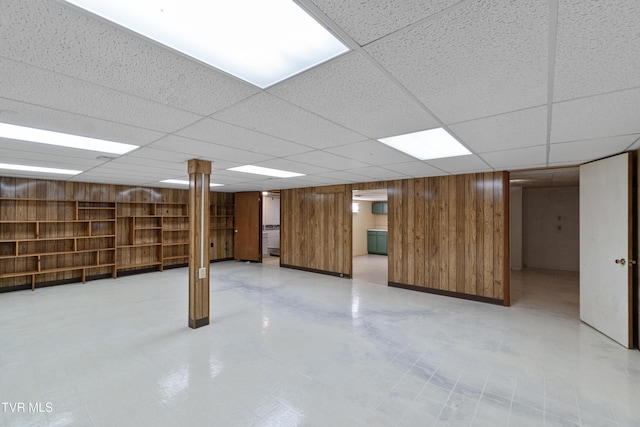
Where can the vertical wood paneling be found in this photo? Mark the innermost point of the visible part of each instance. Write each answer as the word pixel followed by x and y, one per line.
pixel 488 230
pixel 461 192
pixel 480 193
pixel 452 257
pixel 420 246
pixel 315 225
pixel 466 240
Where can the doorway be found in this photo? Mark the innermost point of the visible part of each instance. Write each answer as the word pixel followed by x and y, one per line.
pixel 544 240
pixel 271 227
pixel 247 245
pixel 370 236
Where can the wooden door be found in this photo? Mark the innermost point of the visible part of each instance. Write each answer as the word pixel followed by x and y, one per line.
pixel 606 247
pixel 247 241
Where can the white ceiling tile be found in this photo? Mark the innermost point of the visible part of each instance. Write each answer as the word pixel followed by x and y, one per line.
pixel 371 152
pixel 33 85
pixel 327 160
pixel 416 169
pixel 207 151
pixel 46 160
pixel 52 35
pixel 460 164
pixel 519 158
pixel 598 47
pixel 221 133
pixel 291 166
pixel 378 173
pixel 519 129
pixel 23 114
pixel 345 176
pixel 21 174
pixel 486 58
pixel 126 163
pixel 370 20
pixel 593 149
pixel 268 114
pixel 352 92
pixel 600 116
pixel 27 150
pixel 110 179
pixel 164 155
pixel 120 170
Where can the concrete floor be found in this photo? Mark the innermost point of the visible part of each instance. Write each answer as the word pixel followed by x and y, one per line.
pixel 287 347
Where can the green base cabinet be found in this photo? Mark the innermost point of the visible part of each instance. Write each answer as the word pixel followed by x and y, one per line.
pixel 377 242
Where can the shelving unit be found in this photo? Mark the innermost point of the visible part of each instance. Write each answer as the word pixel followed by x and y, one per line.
pixel 40 238
pixel 222 227
pixel 175 233
pixel 152 234
pixel 51 241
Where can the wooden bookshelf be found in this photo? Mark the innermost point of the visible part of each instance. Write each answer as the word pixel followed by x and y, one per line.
pixel 54 232
pixel 40 238
pixel 221 222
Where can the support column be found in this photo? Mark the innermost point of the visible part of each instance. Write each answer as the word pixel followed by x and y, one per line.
pixel 199 172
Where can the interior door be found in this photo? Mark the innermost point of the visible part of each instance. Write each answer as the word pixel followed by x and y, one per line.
pixel 247 239
pixel 606 247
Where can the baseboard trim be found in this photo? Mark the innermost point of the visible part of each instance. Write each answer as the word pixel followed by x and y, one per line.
pixel 476 298
pixel 313 270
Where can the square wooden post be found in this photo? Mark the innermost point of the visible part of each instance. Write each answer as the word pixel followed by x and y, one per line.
pixel 199 173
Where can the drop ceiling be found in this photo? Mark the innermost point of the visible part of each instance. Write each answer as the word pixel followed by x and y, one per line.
pixel 522 84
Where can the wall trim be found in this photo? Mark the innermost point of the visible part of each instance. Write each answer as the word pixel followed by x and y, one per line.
pixel 52 283
pixel 448 293
pixel 313 270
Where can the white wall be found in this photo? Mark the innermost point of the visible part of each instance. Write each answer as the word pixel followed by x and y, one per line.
pixel 551 228
pixel 271 216
pixel 515 227
pixel 362 221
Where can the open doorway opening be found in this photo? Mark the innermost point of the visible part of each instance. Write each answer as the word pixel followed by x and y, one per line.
pixel 544 236
pixel 370 236
pixel 271 227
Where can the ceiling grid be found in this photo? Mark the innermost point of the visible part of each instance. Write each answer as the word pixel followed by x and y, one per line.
pixel 521 83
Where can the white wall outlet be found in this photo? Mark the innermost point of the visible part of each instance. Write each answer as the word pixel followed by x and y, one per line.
pixel 202 273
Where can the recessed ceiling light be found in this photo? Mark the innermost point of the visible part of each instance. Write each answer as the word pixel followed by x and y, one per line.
pixel 265 171
pixel 22 133
pixel 261 42
pixel 427 144
pixel 38 169
pixel 183 182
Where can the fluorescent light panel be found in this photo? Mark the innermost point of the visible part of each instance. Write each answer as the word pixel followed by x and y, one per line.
pixel 261 42
pixel 38 169
pixel 183 182
pixel 22 133
pixel 427 144
pixel 257 170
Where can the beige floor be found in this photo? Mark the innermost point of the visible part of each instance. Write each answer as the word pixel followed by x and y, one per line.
pixel 371 268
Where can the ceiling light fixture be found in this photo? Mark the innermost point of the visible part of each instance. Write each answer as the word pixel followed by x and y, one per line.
pixel 41 136
pixel 257 170
pixel 38 169
pixel 261 42
pixel 183 182
pixel 427 144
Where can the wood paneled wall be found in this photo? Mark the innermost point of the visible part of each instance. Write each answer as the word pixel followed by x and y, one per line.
pixel 447 235
pixel 315 229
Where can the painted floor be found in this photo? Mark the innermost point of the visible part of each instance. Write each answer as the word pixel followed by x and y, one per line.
pixel 288 348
